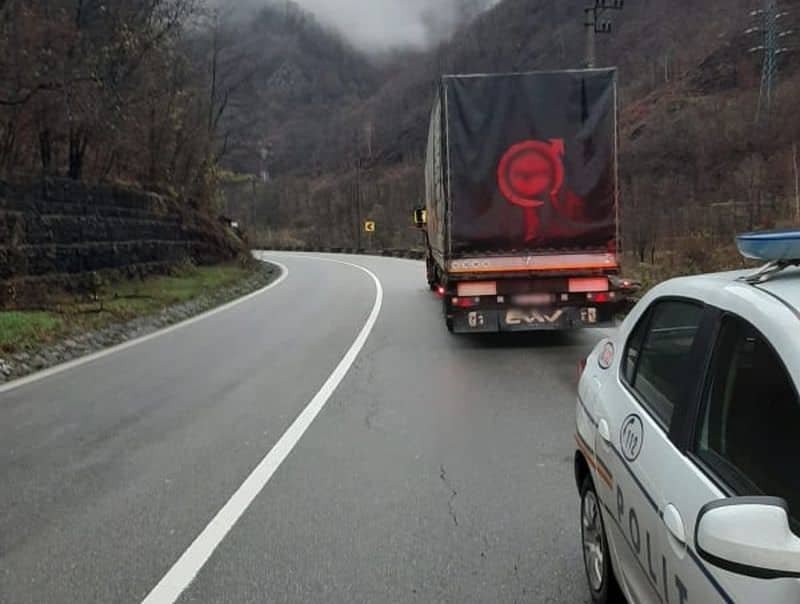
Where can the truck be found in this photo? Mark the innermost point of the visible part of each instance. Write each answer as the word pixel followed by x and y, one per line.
pixel 521 212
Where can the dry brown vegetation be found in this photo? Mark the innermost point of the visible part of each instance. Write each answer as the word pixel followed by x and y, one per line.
pixel 162 92
pixel 131 91
pixel 695 165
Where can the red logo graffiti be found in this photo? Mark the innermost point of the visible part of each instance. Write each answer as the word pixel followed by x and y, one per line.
pixel 531 174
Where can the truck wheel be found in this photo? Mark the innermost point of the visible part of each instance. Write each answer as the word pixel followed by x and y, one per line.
pixel 596 558
pixel 431 271
pixel 448 320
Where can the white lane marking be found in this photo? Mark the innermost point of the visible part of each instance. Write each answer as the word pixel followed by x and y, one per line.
pixel 46 373
pixel 184 571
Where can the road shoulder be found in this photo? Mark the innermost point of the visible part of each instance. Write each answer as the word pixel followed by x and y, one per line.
pixel 72 348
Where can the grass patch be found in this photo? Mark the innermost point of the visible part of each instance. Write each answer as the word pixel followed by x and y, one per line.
pixel 113 303
pixel 135 298
pixel 21 328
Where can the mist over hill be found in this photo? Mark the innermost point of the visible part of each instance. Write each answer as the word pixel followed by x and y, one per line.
pixel 380 26
pixel 692 156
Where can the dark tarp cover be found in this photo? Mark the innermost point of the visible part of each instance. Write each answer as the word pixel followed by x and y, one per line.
pixel 435 173
pixel 532 162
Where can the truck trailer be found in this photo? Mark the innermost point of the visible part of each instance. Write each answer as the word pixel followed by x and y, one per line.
pixel 521 213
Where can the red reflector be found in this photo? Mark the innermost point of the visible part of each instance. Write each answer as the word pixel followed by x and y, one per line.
pixel 589 284
pixel 600 298
pixel 466 302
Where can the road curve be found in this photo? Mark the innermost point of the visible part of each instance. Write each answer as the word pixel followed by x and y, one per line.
pixel 438 469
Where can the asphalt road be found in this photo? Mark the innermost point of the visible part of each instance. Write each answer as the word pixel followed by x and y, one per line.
pixel 439 470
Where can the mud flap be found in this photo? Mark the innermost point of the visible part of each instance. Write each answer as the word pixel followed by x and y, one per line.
pixel 517 320
pixel 477 321
pixel 550 319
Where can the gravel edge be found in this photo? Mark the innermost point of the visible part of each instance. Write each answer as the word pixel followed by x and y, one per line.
pixel 22 364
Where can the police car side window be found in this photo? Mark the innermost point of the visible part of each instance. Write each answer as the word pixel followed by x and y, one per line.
pixel 657 355
pixel 751 420
pixel 635 348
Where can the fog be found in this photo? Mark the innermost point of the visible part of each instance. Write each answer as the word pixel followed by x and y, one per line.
pixel 380 25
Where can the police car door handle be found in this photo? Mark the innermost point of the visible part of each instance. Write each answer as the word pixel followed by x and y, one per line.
pixel 674 524
pixel 604 431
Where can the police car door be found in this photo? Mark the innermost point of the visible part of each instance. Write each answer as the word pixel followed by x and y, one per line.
pixel 634 417
pixel 743 443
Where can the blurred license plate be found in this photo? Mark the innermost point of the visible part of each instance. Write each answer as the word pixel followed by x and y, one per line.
pixel 533 299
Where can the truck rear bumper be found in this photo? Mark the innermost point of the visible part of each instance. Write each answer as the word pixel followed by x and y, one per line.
pixel 516 320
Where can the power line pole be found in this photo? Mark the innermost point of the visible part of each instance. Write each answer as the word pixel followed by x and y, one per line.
pixel 591 37
pixel 796 185
pixel 769 68
pixel 769 28
pixel 595 23
pixel 359 223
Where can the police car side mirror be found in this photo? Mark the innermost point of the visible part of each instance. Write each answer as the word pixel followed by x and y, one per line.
pixel 749 536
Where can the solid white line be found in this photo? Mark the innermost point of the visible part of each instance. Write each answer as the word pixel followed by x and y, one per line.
pixel 46 373
pixel 183 572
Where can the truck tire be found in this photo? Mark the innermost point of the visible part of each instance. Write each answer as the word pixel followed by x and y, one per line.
pixel 448 320
pixel 430 268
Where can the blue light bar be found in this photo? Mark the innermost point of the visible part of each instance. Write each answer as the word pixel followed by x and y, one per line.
pixel 772 246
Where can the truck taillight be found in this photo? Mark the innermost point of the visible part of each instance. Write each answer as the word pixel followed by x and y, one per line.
pixel 477 288
pixel 601 297
pixel 466 302
pixel 440 291
pixel 624 284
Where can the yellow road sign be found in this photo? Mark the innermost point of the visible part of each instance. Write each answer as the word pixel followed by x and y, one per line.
pixel 369 226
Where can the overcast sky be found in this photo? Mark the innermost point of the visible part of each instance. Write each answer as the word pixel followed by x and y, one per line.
pixel 383 24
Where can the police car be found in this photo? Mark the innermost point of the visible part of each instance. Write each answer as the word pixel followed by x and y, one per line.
pixel 688 440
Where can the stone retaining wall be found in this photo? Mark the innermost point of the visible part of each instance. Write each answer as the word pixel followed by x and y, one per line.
pixel 63 235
